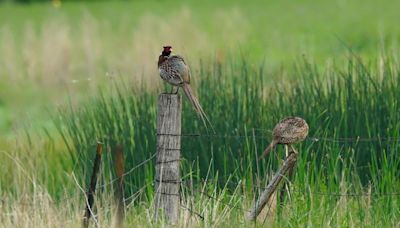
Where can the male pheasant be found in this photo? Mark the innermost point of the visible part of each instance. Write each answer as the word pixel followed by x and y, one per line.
pixel 175 71
pixel 287 132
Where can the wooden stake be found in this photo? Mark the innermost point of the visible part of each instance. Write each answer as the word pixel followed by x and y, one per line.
pixel 168 176
pixel 266 195
pixel 92 187
pixel 286 186
pixel 119 194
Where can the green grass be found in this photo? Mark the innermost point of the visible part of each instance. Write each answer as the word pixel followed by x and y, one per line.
pixel 335 184
pixel 352 101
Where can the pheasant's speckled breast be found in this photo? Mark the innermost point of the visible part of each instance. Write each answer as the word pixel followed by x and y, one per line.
pixel 174 70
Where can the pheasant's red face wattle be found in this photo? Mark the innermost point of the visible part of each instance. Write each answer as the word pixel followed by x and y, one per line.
pixel 164 54
pixel 166 51
pixel 167 48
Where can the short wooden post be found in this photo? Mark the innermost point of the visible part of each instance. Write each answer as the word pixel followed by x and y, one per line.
pixel 168 176
pixel 92 187
pixel 119 194
pixel 266 195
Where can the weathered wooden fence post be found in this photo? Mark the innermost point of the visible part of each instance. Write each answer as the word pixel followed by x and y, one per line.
pixel 92 187
pixel 119 194
pixel 286 185
pixel 290 161
pixel 168 176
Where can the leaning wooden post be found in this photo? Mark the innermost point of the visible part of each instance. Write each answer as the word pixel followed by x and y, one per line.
pixel 92 187
pixel 119 194
pixel 168 176
pixel 286 185
pixel 266 195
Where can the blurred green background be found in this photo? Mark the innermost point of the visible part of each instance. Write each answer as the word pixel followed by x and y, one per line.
pixel 50 50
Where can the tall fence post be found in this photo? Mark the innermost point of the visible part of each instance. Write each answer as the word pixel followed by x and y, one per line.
pixel 168 176
pixel 119 194
pixel 92 187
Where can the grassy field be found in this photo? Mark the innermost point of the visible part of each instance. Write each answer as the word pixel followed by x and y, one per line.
pixel 48 54
pixel 84 72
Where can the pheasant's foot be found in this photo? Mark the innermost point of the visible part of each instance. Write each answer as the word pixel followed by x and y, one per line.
pixel 286 150
pixel 294 150
pixel 174 90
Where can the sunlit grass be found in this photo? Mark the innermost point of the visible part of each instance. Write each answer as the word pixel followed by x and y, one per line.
pixel 340 182
pixel 356 101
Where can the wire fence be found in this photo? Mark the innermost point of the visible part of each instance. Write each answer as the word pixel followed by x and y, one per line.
pixel 236 205
pixel 267 134
pixel 309 138
pixel 129 201
pixel 148 160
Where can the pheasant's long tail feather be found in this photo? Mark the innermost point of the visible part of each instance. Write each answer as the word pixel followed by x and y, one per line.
pixel 268 150
pixel 196 105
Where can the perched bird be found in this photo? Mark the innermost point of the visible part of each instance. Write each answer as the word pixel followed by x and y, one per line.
pixel 175 71
pixel 287 132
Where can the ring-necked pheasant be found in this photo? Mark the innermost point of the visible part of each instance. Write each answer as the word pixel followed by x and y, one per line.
pixel 287 132
pixel 175 71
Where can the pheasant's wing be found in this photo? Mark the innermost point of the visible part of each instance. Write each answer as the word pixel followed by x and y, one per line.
pixel 281 131
pixel 291 128
pixel 181 68
pixel 177 58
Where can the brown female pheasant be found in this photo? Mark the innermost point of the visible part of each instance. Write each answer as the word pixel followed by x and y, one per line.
pixel 174 70
pixel 287 132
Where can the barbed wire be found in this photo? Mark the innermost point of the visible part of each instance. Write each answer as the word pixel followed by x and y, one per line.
pixel 318 193
pixel 314 139
pixel 235 206
pixel 321 193
pixel 219 200
pixel 307 192
pixel 269 204
pixel 193 212
pixel 352 194
pixel 333 194
pixel 83 193
pixel 128 172
pixel 310 138
pixel 248 135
